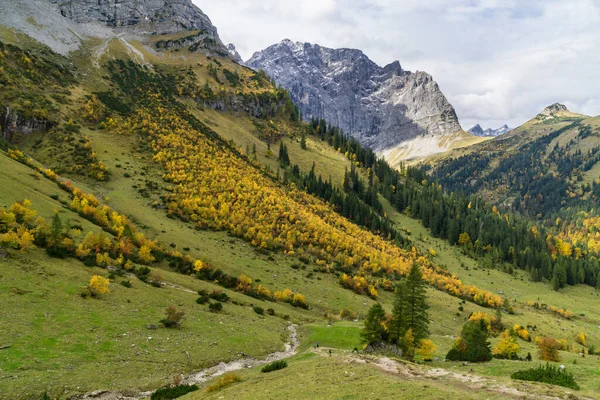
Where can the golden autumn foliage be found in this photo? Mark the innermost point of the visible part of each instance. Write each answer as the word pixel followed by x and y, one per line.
pixel 581 339
pixel 477 316
pixel 522 332
pixel 548 348
pixel 566 314
pixel 94 111
pixel 426 349
pixel 464 239
pixel 98 285
pixel 198 265
pixel 213 188
pixel 244 283
pixel 507 348
pixel 284 295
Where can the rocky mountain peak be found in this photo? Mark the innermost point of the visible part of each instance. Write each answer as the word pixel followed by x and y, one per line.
pixel 152 16
pixel 67 22
pixel 477 130
pixel 554 108
pixel 380 106
pixel 234 53
pixel 556 111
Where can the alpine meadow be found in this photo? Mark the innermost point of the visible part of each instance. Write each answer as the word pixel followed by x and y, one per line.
pixel 176 222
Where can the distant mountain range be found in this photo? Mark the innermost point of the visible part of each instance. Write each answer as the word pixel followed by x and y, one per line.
pixel 477 130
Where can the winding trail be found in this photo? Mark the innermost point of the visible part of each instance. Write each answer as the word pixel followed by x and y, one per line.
pixel 291 348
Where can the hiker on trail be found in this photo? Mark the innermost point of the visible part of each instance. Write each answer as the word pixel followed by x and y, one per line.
pixel 317 345
pixel 329 352
pixel 355 350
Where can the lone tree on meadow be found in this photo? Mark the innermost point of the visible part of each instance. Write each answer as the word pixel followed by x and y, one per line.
pixel 410 321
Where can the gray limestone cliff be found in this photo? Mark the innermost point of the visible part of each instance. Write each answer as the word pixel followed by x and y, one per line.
pixel 381 107
pixel 63 24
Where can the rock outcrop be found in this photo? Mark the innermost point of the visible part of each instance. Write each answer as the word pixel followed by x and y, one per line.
pixel 381 107
pixel 234 53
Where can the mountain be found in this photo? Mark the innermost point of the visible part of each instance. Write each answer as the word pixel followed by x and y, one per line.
pixel 477 130
pixel 64 24
pixel 555 112
pixel 537 169
pixel 381 107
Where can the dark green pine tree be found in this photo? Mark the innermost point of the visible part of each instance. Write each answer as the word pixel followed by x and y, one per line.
pixel 476 336
pixel 473 345
pixel 284 158
pixel 559 276
pixel 374 332
pixel 416 307
pixel 56 231
pixel 398 325
pixel 303 142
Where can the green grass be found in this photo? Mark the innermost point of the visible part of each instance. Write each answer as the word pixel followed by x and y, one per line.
pixel 341 335
pixel 66 344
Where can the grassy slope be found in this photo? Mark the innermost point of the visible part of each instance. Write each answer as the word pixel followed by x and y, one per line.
pixel 312 376
pixel 346 376
pixel 239 128
pixel 58 339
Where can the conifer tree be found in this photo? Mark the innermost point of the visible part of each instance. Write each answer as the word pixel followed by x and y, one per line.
pixel 56 230
pixel 398 325
pixel 284 158
pixel 416 315
pixel 374 331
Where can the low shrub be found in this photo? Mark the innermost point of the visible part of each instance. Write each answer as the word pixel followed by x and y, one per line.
pixel 348 314
pixel 547 374
pixel 127 283
pixel 259 310
pixel 219 296
pixel 173 318
pixel 202 299
pixel 223 381
pixel 270 311
pixel 215 307
pixel 173 392
pixel 274 366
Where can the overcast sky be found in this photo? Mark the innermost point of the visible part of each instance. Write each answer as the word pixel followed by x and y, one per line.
pixel 497 61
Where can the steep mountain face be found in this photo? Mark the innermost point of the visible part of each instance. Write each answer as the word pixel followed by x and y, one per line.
pixel 381 107
pixel 477 130
pixel 63 24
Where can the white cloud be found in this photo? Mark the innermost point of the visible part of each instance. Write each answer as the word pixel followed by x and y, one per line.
pixel 497 61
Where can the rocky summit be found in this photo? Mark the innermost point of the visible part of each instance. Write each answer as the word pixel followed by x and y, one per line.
pixel 380 106
pixel 63 24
